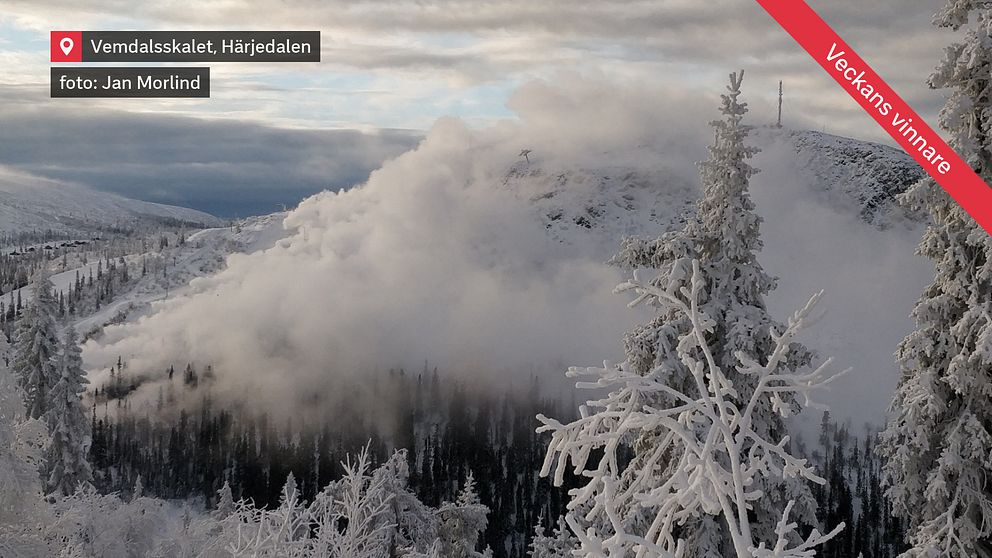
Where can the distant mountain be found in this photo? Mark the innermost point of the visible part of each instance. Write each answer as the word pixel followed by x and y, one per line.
pixel 30 203
pixel 868 174
pixel 601 204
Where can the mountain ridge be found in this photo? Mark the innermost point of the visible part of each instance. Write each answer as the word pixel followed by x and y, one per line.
pixel 30 203
pixel 603 203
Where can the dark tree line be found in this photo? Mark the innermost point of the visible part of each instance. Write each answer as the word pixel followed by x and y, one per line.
pixel 448 428
pixel 854 494
pixel 186 445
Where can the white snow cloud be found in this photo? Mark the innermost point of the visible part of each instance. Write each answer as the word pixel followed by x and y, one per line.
pixel 430 260
pixel 434 259
pixel 871 279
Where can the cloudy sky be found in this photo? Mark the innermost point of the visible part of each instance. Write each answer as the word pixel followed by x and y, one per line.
pixel 271 134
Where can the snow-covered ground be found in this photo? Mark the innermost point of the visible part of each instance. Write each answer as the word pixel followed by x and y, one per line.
pixel 31 203
pixel 204 253
pixel 850 173
pixel 596 206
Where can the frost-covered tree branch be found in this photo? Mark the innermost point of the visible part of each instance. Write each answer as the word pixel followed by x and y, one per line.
pixel 937 445
pixel 719 456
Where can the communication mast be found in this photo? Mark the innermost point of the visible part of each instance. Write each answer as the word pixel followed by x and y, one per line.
pixel 779 124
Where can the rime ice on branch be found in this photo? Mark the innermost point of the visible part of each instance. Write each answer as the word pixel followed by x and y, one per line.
pixel 938 442
pixel 703 428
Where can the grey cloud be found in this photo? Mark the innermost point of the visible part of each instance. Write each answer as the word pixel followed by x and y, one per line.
pixel 657 41
pixel 700 31
pixel 221 166
pixel 476 64
pixel 894 35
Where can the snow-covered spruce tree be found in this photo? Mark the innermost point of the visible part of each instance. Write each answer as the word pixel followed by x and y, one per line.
pixel 67 462
pixel 367 514
pixel 284 531
pixel 462 522
pixel 559 544
pixel 22 446
pixel 724 237
pixel 706 440
pixel 89 524
pixel 36 345
pixel 415 526
pixel 225 503
pixel 938 442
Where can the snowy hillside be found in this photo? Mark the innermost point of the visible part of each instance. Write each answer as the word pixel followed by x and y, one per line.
pixel 601 204
pixel 204 253
pixel 159 272
pixel 867 174
pixel 32 203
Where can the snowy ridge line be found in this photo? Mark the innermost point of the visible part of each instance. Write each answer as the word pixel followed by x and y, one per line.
pixel 32 203
pixel 877 98
pixel 602 204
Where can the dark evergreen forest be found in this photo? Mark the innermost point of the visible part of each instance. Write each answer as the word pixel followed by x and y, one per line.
pixel 449 429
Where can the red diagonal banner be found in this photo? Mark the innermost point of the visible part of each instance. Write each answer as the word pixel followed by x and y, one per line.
pixel 887 108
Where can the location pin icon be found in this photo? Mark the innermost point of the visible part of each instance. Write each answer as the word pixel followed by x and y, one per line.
pixel 66 46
